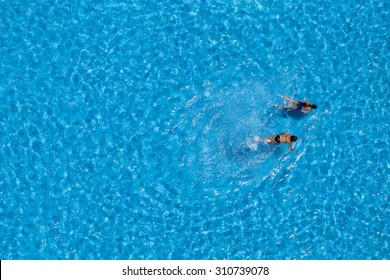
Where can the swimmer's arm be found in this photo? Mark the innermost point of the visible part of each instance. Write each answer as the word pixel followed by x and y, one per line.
pixel 306 110
pixel 291 148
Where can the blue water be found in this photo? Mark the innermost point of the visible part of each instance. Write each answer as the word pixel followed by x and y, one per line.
pixel 126 126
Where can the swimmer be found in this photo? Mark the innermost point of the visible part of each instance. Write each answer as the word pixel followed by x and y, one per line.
pixel 284 137
pixel 303 106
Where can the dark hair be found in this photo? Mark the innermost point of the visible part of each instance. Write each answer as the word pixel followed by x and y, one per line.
pixel 293 138
pixel 314 106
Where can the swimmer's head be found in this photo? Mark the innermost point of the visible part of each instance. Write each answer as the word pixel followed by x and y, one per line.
pixel 314 106
pixel 293 138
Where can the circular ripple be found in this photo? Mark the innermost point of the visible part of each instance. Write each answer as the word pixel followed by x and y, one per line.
pixel 216 131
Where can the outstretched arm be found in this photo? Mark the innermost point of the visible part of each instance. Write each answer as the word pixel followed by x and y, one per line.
pixel 291 148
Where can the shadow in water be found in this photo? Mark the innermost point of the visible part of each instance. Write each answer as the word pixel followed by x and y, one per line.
pixel 291 114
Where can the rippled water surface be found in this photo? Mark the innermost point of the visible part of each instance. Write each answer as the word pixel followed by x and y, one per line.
pixel 127 129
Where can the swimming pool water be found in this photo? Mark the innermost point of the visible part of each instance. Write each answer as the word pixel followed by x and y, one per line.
pixel 126 129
